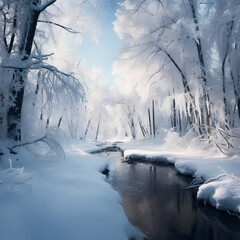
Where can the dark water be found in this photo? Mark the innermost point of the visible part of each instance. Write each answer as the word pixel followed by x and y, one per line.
pixel 155 202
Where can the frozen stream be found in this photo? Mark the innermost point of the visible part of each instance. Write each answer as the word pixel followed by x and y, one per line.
pixel 155 202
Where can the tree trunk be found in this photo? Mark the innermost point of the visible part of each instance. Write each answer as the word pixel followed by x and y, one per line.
pixel 19 77
pixel 174 113
pixel 59 122
pixel 150 122
pixel 153 119
pixel 142 128
pixel 229 30
pixel 180 122
pixel 88 124
pixel 202 68
pixel 99 120
pixel 26 38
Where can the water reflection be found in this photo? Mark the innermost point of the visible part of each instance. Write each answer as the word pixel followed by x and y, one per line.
pixel 155 201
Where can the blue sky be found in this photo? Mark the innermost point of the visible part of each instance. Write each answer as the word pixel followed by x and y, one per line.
pixel 104 53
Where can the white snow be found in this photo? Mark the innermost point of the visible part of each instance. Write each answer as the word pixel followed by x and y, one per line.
pixel 219 175
pixel 54 199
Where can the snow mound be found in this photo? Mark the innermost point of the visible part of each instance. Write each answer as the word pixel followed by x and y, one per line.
pixel 222 193
pixel 15 181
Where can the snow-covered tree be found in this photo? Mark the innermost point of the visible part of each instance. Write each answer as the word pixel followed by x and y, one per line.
pixel 173 53
pixel 19 23
pixel 25 71
pixel 225 36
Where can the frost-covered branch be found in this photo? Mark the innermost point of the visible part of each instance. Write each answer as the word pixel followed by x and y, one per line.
pixel 28 142
pixel 48 139
pixel 184 80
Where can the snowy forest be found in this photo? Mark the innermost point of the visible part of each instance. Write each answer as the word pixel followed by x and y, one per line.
pixel 70 140
pixel 178 70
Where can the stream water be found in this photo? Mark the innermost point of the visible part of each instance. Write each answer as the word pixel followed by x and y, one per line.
pixel 155 202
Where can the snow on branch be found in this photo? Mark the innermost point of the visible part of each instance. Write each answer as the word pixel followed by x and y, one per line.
pixel 27 142
pixel 226 141
pixel 68 80
pixel 27 64
pixel 75 87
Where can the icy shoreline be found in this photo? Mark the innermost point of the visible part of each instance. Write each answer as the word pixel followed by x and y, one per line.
pixel 217 177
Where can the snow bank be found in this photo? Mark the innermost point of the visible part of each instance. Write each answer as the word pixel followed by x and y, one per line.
pixel 224 193
pixel 15 180
pixel 50 198
pixel 219 175
pixel 149 155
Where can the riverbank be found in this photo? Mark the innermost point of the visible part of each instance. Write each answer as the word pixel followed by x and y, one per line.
pixel 217 176
pixel 151 190
pixel 59 197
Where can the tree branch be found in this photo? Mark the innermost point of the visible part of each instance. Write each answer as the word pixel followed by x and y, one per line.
pixel 139 6
pixel 61 26
pixel 27 143
pixel 43 7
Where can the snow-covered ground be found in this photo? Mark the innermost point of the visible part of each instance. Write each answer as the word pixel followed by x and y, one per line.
pixel 66 197
pixel 217 175
pixel 57 198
